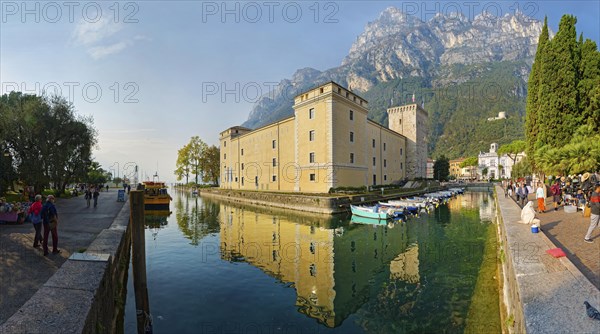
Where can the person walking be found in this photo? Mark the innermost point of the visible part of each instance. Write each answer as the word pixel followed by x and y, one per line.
pixel 50 221
pixel 595 213
pixel 107 188
pixel 95 195
pixel 541 198
pixel 555 190
pixel 88 196
pixel 522 194
pixel 35 214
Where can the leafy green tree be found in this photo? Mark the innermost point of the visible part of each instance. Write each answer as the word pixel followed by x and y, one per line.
pixel 183 167
pixel 589 82
pixel 36 126
pixel 558 117
pixel 513 149
pixel 469 162
pixel 96 175
pixel 117 181
pixel 441 168
pixel 532 108
pixel 211 165
pixel 522 168
pixel 197 150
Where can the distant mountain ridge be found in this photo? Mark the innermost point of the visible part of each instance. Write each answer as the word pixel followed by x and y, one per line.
pixel 401 51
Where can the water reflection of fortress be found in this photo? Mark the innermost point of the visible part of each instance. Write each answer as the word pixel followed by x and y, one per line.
pixel 331 269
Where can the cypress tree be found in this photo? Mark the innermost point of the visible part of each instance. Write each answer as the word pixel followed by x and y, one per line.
pixel 589 75
pixel 558 113
pixel 533 105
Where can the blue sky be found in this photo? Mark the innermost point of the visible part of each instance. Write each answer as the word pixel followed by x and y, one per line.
pixel 145 70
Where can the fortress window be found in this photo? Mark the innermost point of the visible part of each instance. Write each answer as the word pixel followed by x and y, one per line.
pixel 339 90
pixel 274 178
pixel 242 180
pixel 401 166
pixel 312 177
pixel 224 156
pixel 347 95
pixel 321 90
pixel 385 177
pixel 384 163
pixel 274 144
pixel 225 144
pixel 384 146
pixel 373 142
pixel 399 122
pixel 311 113
pixel 242 151
pixel 351 115
pixel 374 160
pixel 400 151
pixel 242 166
pixel 274 162
pixel 311 157
pixel 351 158
pixel 351 137
pixel 311 135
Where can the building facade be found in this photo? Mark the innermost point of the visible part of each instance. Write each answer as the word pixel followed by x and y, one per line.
pixel 329 142
pixel 498 167
pixel 455 170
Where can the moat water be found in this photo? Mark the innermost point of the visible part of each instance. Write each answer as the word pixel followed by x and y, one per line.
pixel 217 267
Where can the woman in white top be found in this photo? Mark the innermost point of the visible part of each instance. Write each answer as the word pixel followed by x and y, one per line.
pixel 541 198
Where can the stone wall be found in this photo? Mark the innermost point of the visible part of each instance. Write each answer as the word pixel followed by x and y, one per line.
pixel 307 203
pixel 86 294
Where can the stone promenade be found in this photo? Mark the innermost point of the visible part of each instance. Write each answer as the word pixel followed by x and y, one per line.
pixel 566 230
pixel 24 269
pixel 546 294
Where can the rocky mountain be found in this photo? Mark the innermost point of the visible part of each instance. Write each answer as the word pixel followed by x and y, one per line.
pixel 401 54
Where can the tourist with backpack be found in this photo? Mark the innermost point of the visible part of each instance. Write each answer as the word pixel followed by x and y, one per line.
pixel 50 221
pixel 35 216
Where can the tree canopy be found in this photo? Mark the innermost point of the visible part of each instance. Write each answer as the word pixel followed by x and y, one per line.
pixel 563 103
pixel 197 158
pixel 441 168
pixel 48 143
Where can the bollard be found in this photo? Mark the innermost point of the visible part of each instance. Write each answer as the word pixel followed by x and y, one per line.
pixel 138 261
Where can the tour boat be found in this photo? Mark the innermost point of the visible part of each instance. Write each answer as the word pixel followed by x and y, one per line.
pixel 156 196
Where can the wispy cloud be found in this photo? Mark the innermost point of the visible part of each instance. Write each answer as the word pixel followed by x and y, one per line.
pixel 89 33
pixel 102 51
pixel 103 38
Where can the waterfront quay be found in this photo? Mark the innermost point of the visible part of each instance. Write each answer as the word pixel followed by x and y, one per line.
pixel 28 279
pixel 544 294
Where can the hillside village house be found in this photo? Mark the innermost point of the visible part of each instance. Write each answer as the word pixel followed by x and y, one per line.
pixel 328 142
pixel 498 166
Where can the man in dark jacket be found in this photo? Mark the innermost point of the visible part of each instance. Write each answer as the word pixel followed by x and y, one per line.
pixel 595 213
pixel 48 214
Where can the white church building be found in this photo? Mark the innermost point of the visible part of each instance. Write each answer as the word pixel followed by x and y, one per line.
pixel 498 167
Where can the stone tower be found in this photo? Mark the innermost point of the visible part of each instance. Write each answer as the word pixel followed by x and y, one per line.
pixel 412 121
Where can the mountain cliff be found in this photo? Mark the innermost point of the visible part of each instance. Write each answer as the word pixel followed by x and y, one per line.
pixel 463 71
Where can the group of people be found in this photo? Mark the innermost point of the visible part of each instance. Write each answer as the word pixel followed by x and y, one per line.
pixel 92 192
pixel 519 189
pixel 582 189
pixel 45 216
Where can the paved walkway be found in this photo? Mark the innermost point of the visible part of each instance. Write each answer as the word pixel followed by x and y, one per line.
pixel 24 269
pixel 566 230
pixel 545 294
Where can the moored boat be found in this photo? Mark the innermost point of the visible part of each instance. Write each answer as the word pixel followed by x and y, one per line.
pixel 369 212
pixel 156 196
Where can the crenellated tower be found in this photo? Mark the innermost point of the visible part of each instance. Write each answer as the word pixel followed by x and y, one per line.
pixel 411 121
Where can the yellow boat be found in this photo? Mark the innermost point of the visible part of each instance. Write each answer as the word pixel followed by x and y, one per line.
pixel 156 196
